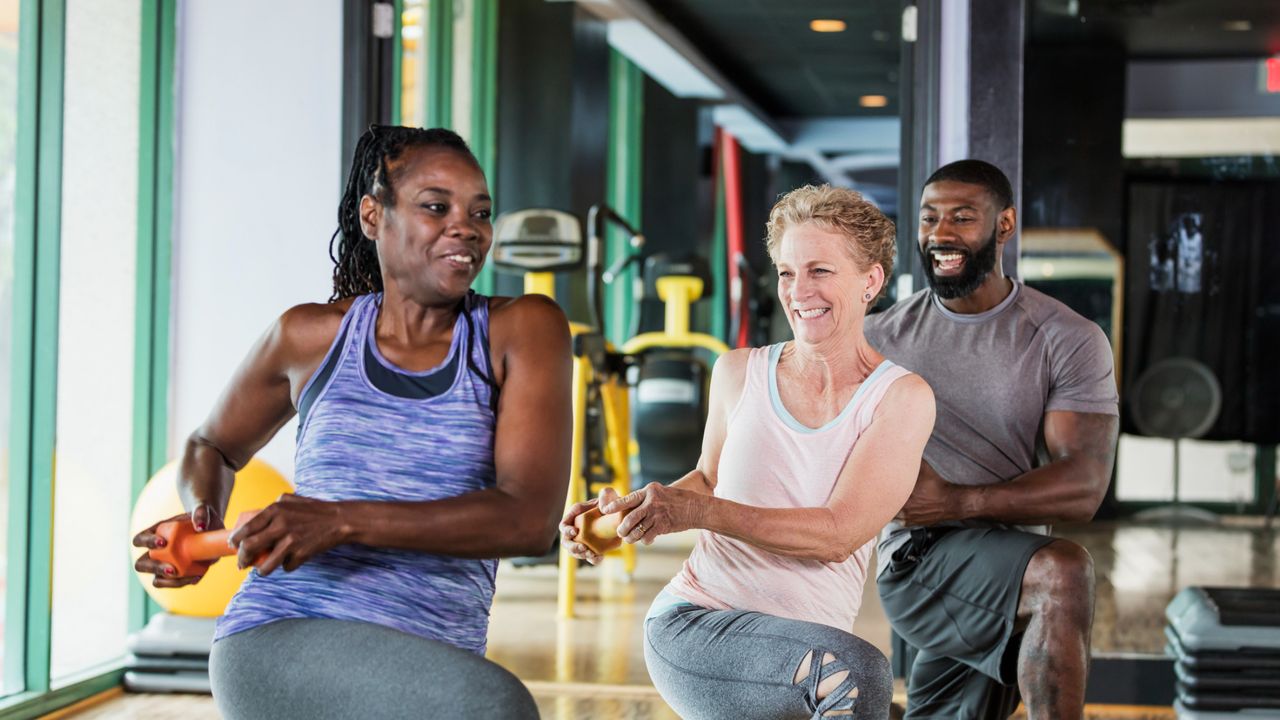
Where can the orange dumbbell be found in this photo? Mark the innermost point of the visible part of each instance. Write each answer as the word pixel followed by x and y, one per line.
pixel 599 532
pixel 185 548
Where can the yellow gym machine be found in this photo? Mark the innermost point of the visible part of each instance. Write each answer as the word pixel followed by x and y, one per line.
pixel 671 383
pixel 540 243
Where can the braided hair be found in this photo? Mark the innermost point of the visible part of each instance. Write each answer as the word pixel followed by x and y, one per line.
pixel 355 257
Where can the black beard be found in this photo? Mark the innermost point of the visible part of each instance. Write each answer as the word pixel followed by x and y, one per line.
pixel 977 267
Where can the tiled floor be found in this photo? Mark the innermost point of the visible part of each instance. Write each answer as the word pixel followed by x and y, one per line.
pixel 592 667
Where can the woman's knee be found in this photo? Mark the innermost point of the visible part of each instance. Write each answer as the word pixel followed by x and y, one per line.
pixel 875 676
pixel 874 686
pixel 881 672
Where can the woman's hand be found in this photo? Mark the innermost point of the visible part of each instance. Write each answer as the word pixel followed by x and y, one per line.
pixel 203 518
pixel 568 531
pixel 657 509
pixel 289 532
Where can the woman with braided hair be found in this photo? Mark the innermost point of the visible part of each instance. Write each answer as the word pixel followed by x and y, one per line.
pixel 433 437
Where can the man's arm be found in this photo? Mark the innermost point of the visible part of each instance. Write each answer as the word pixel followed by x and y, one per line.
pixel 1082 448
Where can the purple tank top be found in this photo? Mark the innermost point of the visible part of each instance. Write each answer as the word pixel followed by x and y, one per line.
pixel 371 431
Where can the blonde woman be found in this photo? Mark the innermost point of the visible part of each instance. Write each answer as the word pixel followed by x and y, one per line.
pixel 811 447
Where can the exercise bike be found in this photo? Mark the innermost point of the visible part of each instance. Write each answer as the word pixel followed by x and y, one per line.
pixel 540 243
pixel 671 382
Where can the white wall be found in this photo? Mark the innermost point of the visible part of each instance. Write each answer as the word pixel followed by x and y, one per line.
pixel 258 177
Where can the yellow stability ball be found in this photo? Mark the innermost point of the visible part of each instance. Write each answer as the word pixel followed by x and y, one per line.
pixel 257 486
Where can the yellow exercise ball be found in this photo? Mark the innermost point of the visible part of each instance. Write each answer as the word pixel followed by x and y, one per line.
pixel 257 486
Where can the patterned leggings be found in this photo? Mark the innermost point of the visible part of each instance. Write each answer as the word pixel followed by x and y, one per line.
pixel 737 664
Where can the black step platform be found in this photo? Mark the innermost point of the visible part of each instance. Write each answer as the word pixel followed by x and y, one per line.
pixel 1226 647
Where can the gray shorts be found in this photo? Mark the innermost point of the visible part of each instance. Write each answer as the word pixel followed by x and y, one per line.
pixel 316 669
pixel 952 594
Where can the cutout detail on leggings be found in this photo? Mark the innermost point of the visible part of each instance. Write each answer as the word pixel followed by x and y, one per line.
pixel 830 686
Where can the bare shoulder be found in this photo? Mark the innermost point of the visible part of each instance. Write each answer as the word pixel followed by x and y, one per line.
pixel 909 395
pixel 525 307
pixel 732 366
pixel 730 373
pixel 305 332
pixel 512 320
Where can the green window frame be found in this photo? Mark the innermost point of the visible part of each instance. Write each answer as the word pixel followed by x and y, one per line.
pixel 154 261
pixel 438 77
pixel 720 260
pixel 624 181
pixel 34 379
pixel 439 69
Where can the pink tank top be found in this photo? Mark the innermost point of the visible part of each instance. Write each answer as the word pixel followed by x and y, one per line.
pixel 770 460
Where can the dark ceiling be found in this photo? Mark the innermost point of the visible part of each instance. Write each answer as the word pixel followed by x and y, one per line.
pixel 766 48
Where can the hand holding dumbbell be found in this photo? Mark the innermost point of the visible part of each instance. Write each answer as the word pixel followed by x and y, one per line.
pixel 185 549
pixel 599 532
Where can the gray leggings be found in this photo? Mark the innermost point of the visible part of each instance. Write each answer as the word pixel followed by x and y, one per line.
pixel 319 669
pixel 738 664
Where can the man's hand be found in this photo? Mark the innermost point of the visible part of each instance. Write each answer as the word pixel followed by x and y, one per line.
pixel 933 500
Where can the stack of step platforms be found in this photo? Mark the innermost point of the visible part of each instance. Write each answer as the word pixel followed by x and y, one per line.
pixel 1226 647
pixel 171 654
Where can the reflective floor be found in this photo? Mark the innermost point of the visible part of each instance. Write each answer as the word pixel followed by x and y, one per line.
pixel 592 667
pixel 1139 568
pixel 602 644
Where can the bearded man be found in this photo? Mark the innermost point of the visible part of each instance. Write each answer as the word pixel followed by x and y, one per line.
pixel 1027 419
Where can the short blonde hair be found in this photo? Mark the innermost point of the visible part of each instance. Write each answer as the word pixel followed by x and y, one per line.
pixel 871 235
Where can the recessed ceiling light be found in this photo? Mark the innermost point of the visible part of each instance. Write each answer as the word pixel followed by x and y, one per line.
pixel 873 101
pixel 827 25
pixel 1237 26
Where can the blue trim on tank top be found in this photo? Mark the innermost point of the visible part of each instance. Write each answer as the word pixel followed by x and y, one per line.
pixel 405 385
pixel 318 383
pixel 456 344
pixel 775 352
pixel 328 369
pixel 485 348
pixel 372 335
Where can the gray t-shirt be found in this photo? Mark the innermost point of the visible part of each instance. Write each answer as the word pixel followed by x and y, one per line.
pixel 994 376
